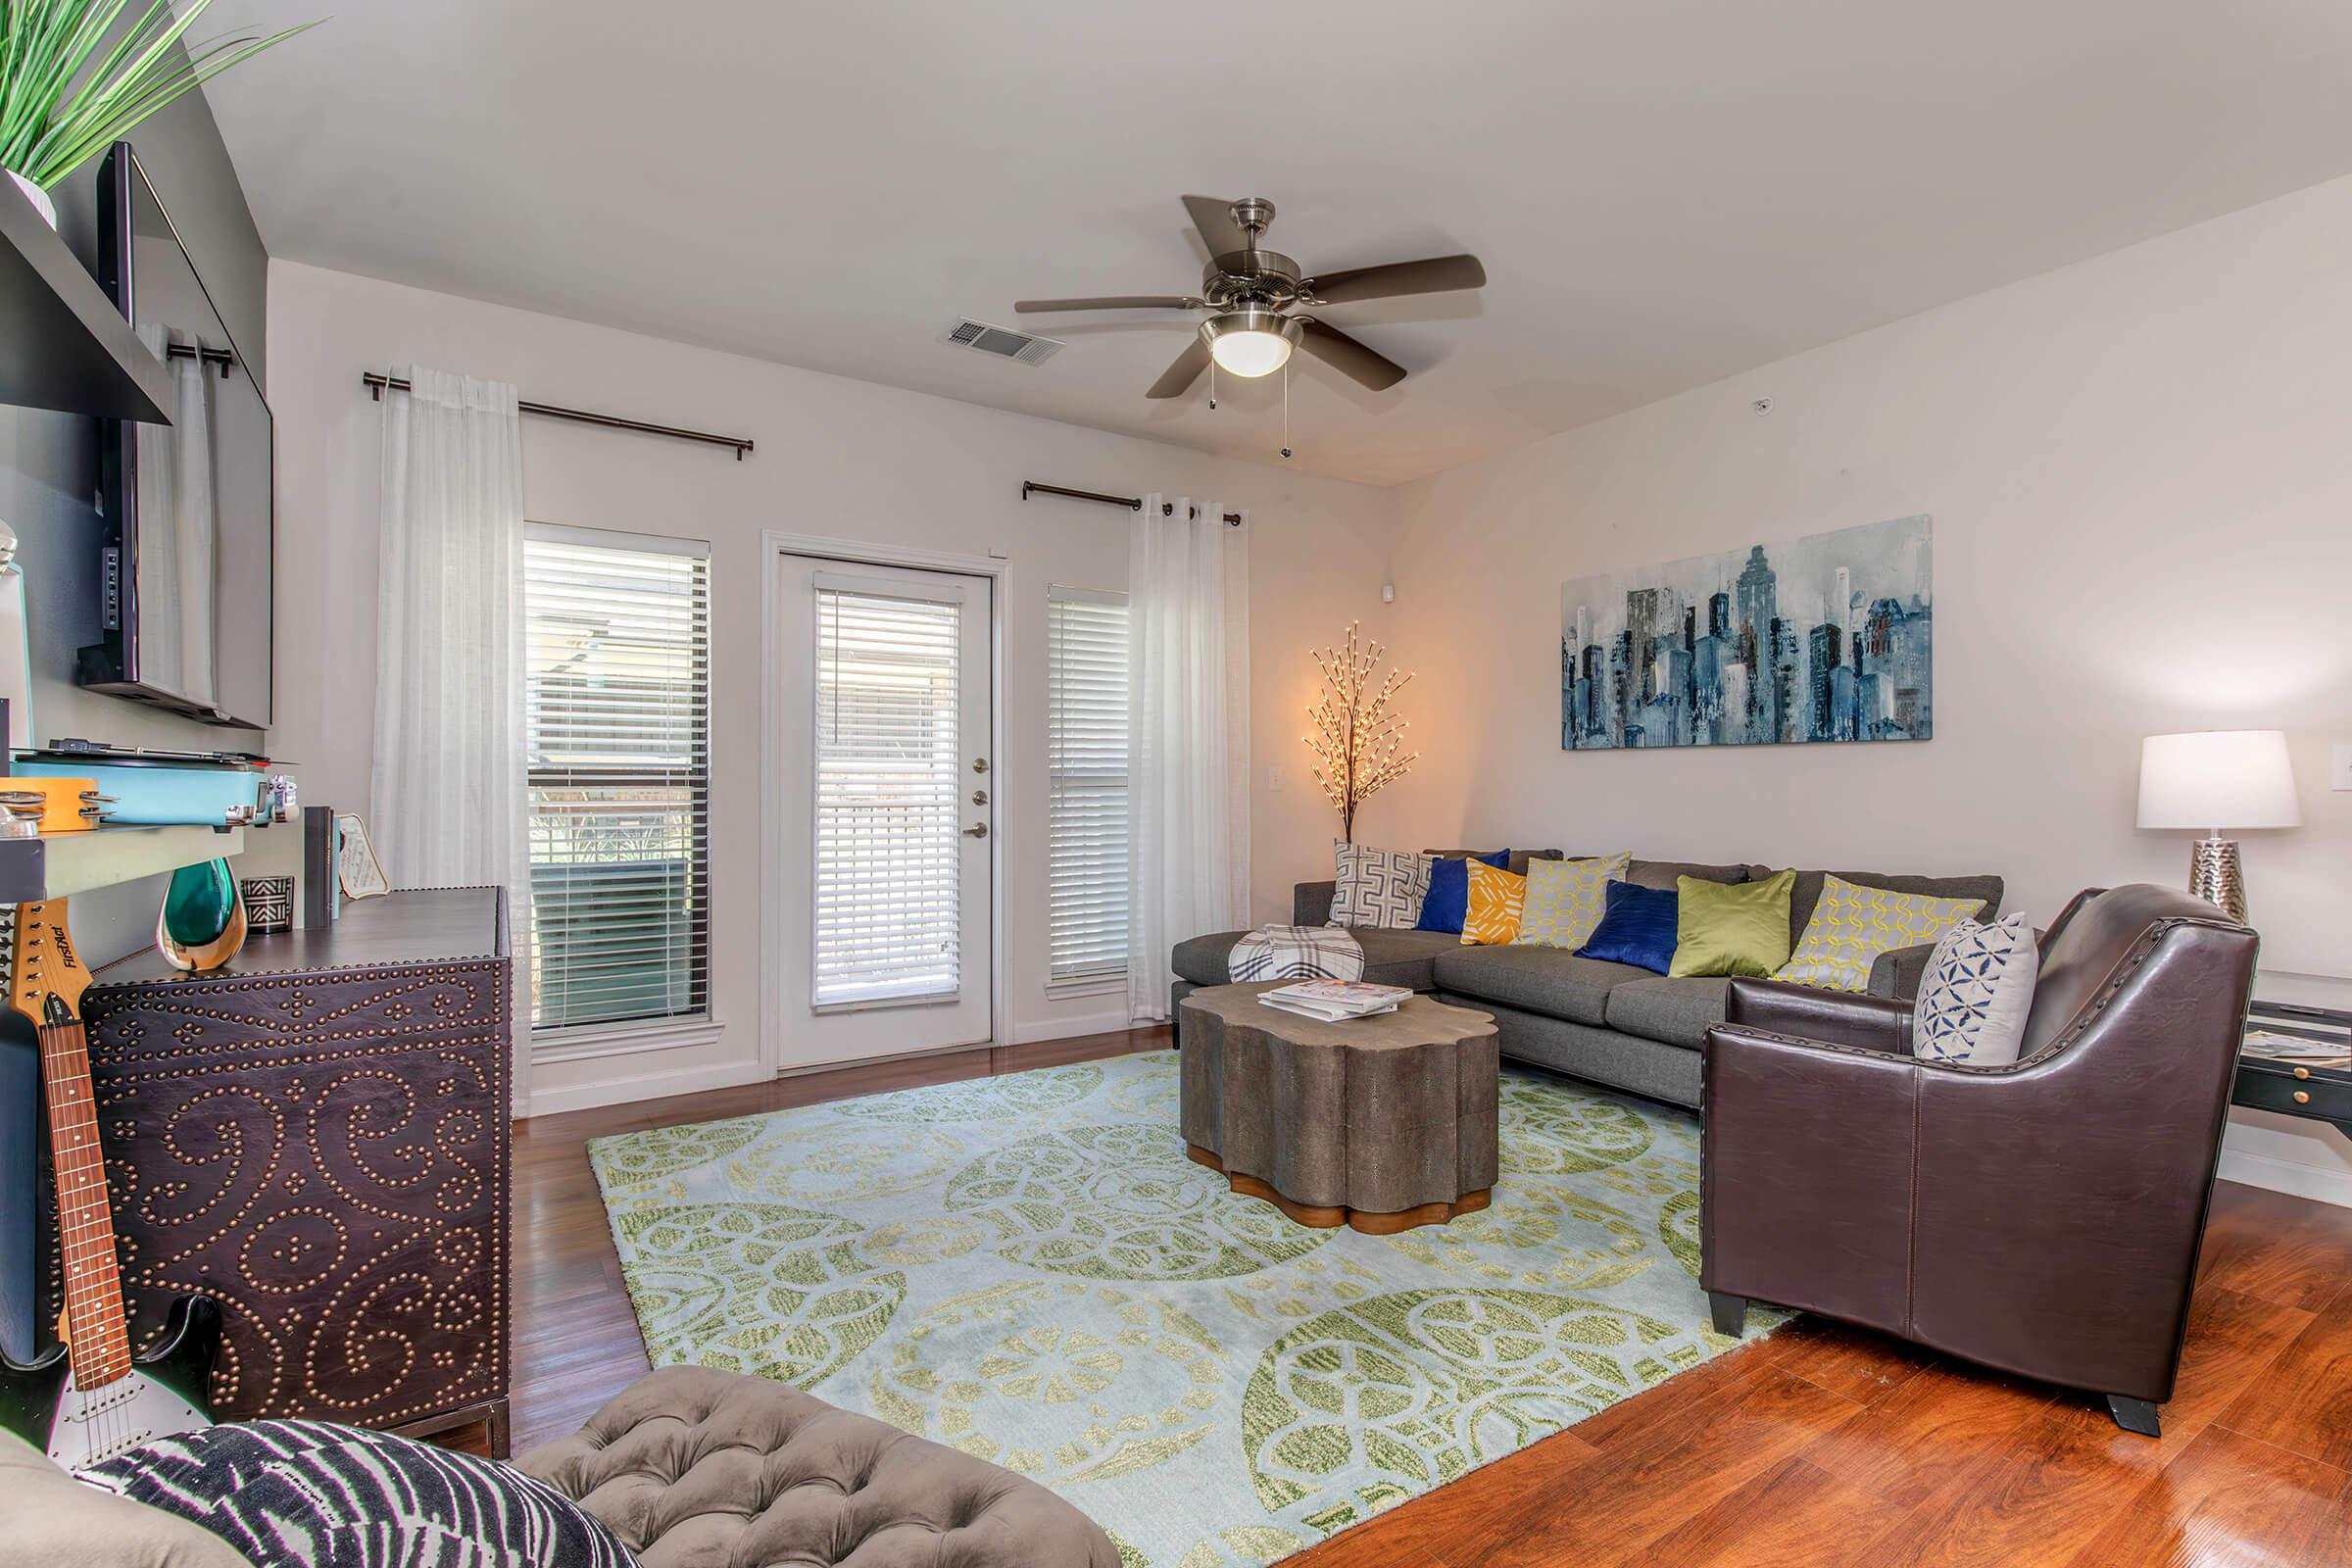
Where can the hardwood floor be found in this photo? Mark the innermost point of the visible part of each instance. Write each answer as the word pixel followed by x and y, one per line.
pixel 1822 1445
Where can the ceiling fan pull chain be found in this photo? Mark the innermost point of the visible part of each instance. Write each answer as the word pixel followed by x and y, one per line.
pixel 1212 385
pixel 1286 408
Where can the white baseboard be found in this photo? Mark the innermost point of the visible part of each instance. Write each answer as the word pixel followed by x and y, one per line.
pixel 643 1086
pixel 2287 1176
pixel 1092 1023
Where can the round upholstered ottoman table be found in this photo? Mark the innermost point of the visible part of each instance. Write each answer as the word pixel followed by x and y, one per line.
pixel 1382 1123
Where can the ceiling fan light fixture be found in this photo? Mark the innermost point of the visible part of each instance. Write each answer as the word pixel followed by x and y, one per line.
pixel 1250 343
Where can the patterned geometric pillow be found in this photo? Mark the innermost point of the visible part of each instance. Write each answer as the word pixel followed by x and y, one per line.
pixel 1379 888
pixel 312 1494
pixel 1978 988
pixel 1565 899
pixel 1853 924
pixel 1496 898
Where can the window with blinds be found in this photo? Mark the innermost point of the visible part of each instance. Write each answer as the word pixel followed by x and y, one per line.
pixel 888 813
pixel 1086 744
pixel 617 731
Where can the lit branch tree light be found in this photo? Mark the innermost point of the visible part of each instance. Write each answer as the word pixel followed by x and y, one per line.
pixel 1357 741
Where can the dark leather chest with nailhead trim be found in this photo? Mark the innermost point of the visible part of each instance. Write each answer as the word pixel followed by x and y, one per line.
pixel 317 1138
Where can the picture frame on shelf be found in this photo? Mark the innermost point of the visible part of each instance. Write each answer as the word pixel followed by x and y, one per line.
pixel 356 869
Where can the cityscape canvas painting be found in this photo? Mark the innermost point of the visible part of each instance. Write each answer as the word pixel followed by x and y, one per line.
pixel 1826 638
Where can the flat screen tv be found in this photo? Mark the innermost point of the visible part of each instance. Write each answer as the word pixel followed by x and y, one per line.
pixel 185 506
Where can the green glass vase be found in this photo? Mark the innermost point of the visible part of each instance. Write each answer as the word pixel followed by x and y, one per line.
pixel 202 923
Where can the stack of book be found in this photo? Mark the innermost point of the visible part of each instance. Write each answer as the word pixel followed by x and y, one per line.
pixel 1335 1001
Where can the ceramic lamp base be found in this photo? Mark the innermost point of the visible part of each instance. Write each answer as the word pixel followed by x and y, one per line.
pixel 2214 875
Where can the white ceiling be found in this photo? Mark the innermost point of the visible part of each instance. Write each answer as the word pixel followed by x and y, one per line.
pixel 1664 192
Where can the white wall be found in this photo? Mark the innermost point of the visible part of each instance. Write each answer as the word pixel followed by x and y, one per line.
pixel 2140 471
pixel 836 457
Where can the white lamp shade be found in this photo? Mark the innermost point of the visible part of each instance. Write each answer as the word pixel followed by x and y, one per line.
pixel 2218 779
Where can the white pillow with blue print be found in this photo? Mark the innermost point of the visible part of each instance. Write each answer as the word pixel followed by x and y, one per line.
pixel 1978 988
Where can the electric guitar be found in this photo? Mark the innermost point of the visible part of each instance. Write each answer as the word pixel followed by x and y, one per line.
pixel 88 1400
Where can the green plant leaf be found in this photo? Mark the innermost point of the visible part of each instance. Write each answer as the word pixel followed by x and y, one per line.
pixel 63 101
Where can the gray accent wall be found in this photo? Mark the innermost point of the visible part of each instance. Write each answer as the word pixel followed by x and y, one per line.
pixel 48 478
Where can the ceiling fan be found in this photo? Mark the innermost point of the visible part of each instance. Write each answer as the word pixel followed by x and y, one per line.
pixel 1251 292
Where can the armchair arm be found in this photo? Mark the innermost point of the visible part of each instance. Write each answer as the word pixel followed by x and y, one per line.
pixel 1808 1172
pixel 1310 902
pixel 1840 1017
pixel 1899 974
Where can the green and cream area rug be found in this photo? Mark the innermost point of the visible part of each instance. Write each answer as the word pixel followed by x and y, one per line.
pixel 1030 1269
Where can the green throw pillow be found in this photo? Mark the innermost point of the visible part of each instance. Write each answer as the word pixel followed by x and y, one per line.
pixel 1731 928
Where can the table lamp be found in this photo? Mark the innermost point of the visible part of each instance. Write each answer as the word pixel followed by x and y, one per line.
pixel 2216 779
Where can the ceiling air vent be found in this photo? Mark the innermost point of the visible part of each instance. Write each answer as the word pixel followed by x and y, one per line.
pixel 1003 342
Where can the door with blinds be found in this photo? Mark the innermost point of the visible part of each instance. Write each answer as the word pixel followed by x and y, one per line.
pixel 888 794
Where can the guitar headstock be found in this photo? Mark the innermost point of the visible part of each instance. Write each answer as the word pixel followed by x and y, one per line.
pixel 42 962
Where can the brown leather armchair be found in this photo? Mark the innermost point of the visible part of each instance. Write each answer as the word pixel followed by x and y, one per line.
pixel 2041 1217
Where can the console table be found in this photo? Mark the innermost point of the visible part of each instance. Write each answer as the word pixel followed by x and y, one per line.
pixel 2324 1094
pixel 317 1137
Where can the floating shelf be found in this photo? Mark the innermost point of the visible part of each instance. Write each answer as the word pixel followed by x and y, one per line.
pixel 62 344
pixel 64 864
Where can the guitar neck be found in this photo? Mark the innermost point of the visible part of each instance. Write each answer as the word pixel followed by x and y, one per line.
pixel 99 1335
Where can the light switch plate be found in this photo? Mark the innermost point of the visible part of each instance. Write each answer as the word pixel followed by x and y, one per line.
pixel 2339 777
pixel 1274 780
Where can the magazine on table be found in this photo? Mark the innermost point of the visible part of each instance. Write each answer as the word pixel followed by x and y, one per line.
pixel 1335 1001
pixel 2266 1045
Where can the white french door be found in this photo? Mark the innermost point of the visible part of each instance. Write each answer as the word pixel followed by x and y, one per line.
pixel 887 797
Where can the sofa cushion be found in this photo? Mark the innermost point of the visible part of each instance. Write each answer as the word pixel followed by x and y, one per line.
pixel 1498 901
pixel 1853 925
pixel 1536 979
pixel 1565 899
pixel 1391 958
pixel 1447 898
pixel 1377 887
pixel 1517 863
pixel 1674 1012
pixel 51 1520
pixel 1662 875
pixel 1731 927
pixel 301 1494
pixel 698 1468
pixel 1809 885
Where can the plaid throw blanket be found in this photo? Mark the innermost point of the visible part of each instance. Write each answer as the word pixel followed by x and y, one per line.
pixel 1297 953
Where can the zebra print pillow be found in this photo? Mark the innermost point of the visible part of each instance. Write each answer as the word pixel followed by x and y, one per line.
pixel 312 1494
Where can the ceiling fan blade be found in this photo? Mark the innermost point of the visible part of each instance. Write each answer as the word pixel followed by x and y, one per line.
pixel 1436 274
pixel 1212 215
pixel 1111 302
pixel 1350 357
pixel 1177 378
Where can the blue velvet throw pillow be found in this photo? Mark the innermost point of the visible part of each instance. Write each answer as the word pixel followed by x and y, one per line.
pixel 1448 901
pixel 1637 926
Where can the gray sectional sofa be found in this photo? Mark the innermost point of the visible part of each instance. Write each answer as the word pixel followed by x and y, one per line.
pixel 1608 1023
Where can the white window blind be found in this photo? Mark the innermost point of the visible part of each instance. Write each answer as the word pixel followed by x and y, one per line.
pixel 618 657
pixel 1086 743
pixel 887 789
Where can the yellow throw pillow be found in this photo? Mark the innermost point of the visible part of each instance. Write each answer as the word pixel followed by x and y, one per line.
pixel 1496 899
pixel 1565 900
pixel 1731 927
pixel 1853 924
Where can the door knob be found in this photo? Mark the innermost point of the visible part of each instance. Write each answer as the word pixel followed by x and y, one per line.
pixel 978 830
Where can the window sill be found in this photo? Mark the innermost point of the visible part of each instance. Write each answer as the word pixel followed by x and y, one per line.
pixel 1093 985
pixel 623 1039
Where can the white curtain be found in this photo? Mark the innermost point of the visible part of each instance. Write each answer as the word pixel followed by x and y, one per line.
pixel 1188 780
pixel 449 806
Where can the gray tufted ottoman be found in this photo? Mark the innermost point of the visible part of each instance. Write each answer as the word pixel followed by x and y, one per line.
pixel 695 1468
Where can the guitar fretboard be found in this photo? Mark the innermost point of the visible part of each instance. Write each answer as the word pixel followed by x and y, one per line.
pixel 99 1336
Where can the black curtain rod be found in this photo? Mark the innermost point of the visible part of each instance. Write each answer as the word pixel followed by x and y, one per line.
pixel 377 385
pixel 1131 502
